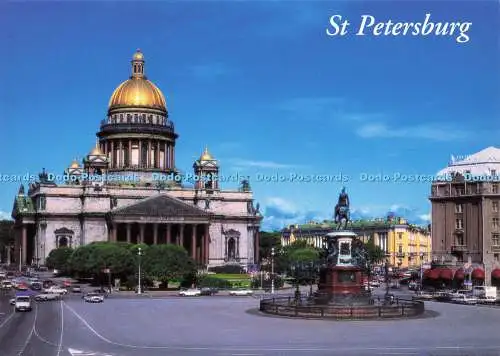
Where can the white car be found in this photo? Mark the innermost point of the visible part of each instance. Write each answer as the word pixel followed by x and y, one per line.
pixel 12 301
pixel 23 303
pixel 94 298
pixel 240 292
pixel 43 297
pixel 464 299
pixel 55 290
pixel 190 293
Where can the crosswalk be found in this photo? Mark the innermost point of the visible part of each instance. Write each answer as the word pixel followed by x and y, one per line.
pixel 75 352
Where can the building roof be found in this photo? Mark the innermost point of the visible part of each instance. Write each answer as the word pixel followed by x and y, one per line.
pixel 358 224
pixel 480 163
pixel 161 205
pixel 23 205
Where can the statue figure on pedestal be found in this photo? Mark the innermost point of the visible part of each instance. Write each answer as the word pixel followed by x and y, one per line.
pixel 342 210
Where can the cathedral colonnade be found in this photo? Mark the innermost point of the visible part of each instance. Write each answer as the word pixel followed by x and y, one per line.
pixel 194 237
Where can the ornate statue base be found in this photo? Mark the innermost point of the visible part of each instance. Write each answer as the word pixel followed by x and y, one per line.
pixel 341 281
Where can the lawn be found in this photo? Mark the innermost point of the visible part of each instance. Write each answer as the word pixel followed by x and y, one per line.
pixel 232 277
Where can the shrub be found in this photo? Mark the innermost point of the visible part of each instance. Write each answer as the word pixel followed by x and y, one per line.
pixel 266 283
pixel 227 269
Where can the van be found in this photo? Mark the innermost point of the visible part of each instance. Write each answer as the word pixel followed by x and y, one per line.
pixel 485 292
pixel 23 303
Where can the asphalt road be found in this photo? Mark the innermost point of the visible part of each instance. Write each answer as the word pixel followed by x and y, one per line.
pixel 207 326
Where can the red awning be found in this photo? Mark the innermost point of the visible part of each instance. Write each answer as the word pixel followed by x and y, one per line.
pixel 433 274
pixel 459 275
pixel 478 273
pixel 446 273
pixel 495 274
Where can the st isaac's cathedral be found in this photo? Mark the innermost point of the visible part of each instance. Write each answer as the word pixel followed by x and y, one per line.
pixel 114 194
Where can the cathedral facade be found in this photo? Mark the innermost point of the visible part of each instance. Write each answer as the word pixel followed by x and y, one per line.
pixel 128 189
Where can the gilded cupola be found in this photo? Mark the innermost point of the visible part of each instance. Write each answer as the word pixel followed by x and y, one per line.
pixel 137 92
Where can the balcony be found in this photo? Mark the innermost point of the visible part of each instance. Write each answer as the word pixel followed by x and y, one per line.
pixel 459 248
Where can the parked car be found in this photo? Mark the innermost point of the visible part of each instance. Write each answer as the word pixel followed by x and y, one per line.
pixel 208 291
pixel 190 292
pixel 94 298
pixel 465 299
pixel 422 295
pixel 241 292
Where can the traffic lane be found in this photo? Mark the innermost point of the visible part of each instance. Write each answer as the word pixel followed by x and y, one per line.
pixel 47 336
pixel 6 310
pixel 16 332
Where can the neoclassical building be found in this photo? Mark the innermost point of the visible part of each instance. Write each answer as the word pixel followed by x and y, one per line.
pixel 128 189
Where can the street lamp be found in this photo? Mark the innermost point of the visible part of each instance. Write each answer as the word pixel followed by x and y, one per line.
pixel 139 288
pixel 272 270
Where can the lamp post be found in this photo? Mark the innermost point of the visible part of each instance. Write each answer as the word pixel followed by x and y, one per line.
pixel 272 270
pixel 139 287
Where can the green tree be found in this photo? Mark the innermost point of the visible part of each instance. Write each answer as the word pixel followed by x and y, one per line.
pixel 92 259
pixel 375 254
pixel 267 241
pixel 6 237
pixel 59 259
pixel 167 262
pixel 305 254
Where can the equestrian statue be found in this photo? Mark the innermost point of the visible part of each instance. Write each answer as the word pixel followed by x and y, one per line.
pixel 342 210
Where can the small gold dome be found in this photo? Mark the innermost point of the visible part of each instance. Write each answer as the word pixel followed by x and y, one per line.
pixel 137 92
pixel 74 164
pixel 206 156
pixel 96 151
pixel 138 56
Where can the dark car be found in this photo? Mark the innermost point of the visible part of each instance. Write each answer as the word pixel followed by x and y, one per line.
pixel 36 286
pixel 208 291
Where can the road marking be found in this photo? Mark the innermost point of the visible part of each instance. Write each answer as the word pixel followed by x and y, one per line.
pixel 59 349
pixel 75 352
pixel 30 335
pixel 405 350
pixel 7 319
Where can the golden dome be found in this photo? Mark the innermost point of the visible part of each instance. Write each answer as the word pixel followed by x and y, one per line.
pixel 137 92
pixel 206 156
pixel 138 56
pixel 74 164
pixel 96 151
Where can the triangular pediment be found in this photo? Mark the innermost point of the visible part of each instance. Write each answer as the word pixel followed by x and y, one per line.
pixel 161 206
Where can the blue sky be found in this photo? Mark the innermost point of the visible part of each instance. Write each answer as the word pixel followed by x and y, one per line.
pixel 262 85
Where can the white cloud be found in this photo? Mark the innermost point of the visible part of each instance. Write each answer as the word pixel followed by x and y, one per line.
pixel 5 216
pixel 429 132
pixel 260 164
pixel 425 217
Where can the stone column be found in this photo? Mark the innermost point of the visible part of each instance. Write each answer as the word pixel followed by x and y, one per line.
pixel 130 153
pixel 155 234
pixel 157 154
pixel 237 247
pixel 141 232
pixel 165 155
pixel 181 236
pixel 129 232
pixel 172 156
pixel 193 242
pixel 114 232
pixel 149 154
pixel 169 233
pixel 225 248
pixel 139 155
pixel 112 155
pixel 257 245
pixel 206 248
pixel 120 154
pixel 24 245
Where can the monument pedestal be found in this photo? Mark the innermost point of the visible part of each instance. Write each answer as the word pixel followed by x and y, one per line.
pixel 342 283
